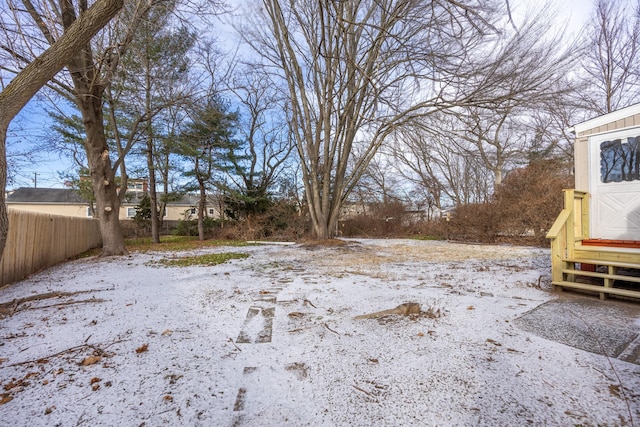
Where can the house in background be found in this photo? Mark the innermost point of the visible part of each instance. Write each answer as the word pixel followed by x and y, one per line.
pixel 57 201
pixel 68 202
pixel 595 241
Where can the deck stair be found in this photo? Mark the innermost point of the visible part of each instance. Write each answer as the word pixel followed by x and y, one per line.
pixel 607 269
pixel 604 277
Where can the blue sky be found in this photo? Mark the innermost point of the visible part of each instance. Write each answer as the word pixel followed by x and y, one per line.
pixel 30 128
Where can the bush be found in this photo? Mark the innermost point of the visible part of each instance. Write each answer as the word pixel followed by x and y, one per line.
pixel 522 209
pixel 531 198
pixel 281 221
pixel 382 220
pixel 189 227
pixel 478 222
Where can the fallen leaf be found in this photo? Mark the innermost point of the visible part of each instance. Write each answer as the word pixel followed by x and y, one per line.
pixel 2 360
pixel 614 390
pixel 296 314
pixel 95 387
pixel 45 382
pixel 91 360
pixel 142 348
pixel 15 383
pixel 168 398
pixel 167 332
pixel 95 380
pixel 420 334
pixel 471 307
pixel 49 410
pixel 4 398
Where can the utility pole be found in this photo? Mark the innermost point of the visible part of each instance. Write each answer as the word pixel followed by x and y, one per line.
pixel 35 180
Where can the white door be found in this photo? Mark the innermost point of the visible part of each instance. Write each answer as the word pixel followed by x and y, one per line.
pixel 614 181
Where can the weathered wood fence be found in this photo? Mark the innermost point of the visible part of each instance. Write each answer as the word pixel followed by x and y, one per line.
pixel 38 240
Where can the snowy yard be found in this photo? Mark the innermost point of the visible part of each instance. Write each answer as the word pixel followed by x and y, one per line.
pixel 271 340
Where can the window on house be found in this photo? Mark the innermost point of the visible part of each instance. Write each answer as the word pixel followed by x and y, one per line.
pixel 211 211
pixel 164 214
pixel 193 211
pixel 620 160
pixel 89 212
pixel 131 212
pixel 134 186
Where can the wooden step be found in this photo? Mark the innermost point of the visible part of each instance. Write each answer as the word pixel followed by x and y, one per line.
pixel 603 262
pixel 633 279
pixel 598 288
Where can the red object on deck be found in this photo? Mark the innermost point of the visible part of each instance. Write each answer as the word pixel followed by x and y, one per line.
pixel 635 244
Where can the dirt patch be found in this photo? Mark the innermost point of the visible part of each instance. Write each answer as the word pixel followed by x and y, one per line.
pixel 328 243
pixel 372 256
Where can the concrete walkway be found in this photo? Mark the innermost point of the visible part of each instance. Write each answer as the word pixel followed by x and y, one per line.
pixel 610 327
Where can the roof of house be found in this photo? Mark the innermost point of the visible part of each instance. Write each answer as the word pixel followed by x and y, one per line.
pixel 65 196
pixel 68 196
pixel 607 118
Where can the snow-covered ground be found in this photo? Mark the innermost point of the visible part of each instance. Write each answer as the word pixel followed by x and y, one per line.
pixel 271 340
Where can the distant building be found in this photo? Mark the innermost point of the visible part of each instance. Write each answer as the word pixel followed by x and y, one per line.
pixel 69 202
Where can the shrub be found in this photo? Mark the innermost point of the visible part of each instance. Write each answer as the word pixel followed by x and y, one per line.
pixel 281 221
pixel 189 227
pixel 530 199
pixel 478 222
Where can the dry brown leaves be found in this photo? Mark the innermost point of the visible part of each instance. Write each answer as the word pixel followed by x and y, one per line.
pixel 91 360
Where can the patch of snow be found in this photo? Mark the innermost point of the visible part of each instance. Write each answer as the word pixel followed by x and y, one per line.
pixel 304 359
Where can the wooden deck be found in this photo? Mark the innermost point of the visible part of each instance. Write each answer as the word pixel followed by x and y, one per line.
pixel 581 262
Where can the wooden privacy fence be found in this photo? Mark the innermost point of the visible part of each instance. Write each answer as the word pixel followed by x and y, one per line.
pixel 38 240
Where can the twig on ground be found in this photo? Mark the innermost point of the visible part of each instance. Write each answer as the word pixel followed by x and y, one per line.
pixel 547 383
pixel 60 304
pixel 10 307
pixel 327 326
pixel 364 391
pixel 310 303
pixel 234 344
pixel 99 350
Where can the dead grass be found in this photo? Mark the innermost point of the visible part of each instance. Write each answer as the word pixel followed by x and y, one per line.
pixel 328 243
pixel 370 257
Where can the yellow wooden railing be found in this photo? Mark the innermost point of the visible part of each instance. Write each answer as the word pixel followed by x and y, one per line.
pixel 569 258
pixel 571 226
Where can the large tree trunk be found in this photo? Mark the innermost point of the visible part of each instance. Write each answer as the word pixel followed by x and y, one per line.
pixel 35 75
pixel 89 91
pixel 101 172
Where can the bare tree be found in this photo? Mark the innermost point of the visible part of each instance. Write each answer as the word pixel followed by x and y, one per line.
pixel 431 157
pixel 36 74
pixel 265 145
pixel 356 71
pixel 611 59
